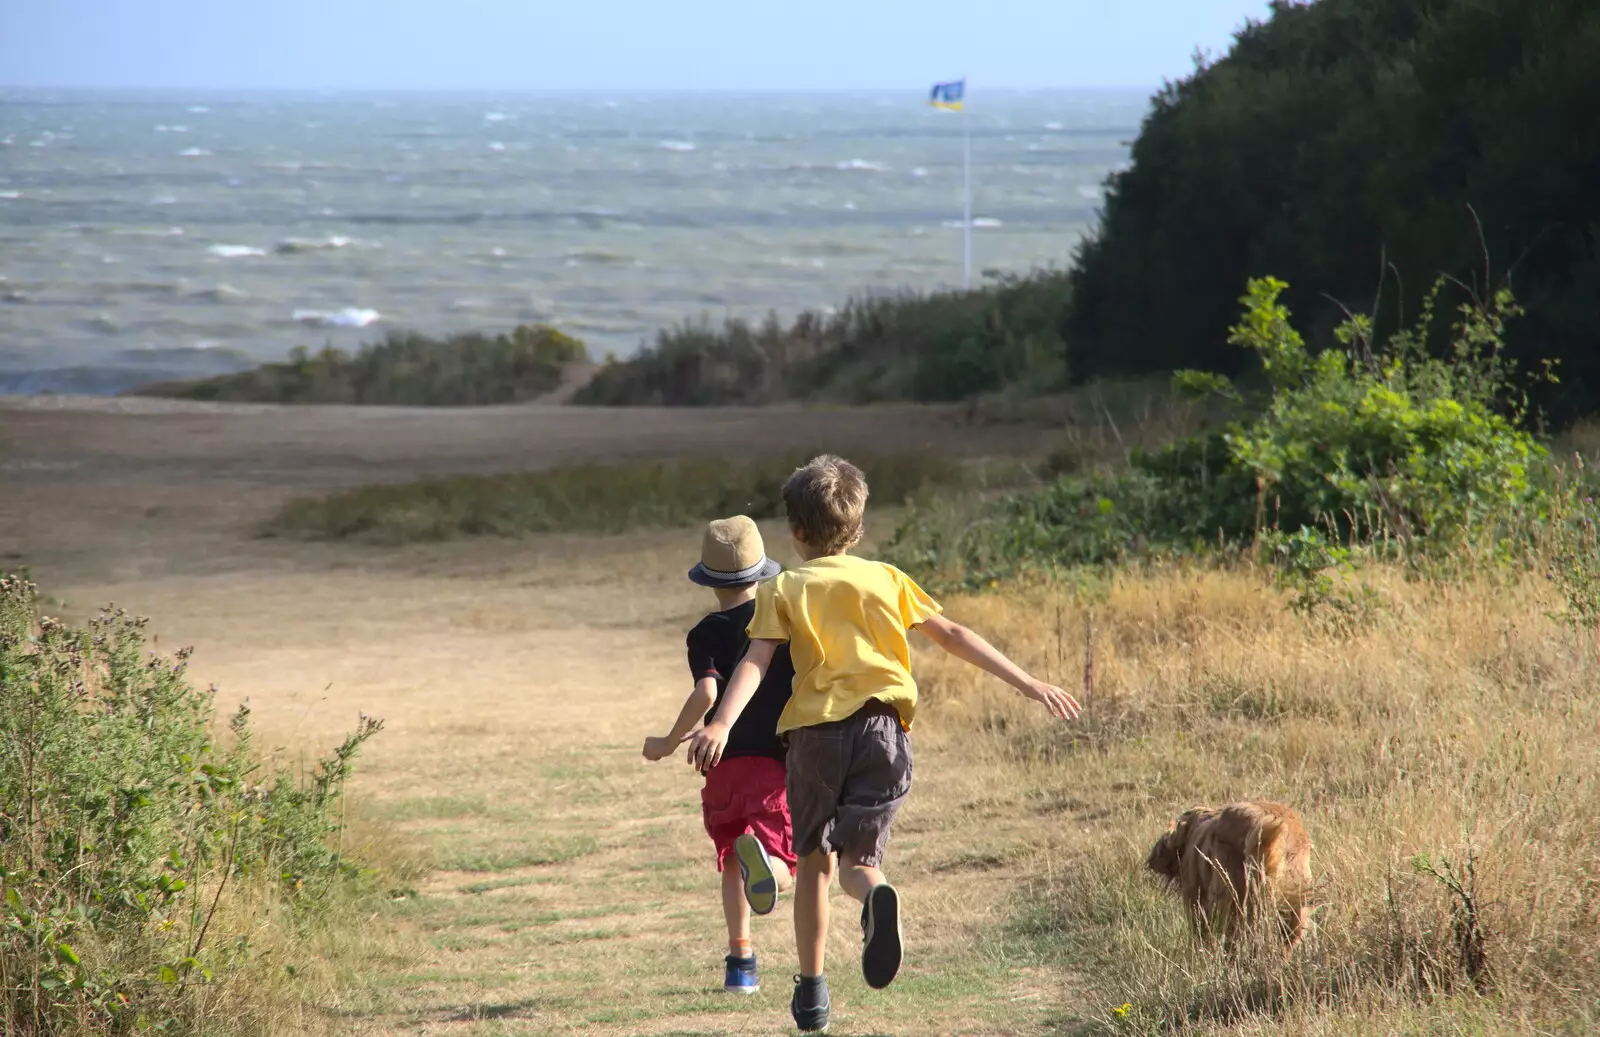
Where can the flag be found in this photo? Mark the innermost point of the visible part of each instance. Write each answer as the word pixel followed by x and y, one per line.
pixel 948 95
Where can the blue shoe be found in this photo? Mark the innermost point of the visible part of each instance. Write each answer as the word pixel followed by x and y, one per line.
pixel 740 977
pixel 760 885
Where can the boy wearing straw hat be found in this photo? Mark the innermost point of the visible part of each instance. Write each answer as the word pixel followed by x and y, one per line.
pixel 745 809
pixel 849 763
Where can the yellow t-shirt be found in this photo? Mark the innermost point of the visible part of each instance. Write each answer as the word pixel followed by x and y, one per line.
pixel 846 620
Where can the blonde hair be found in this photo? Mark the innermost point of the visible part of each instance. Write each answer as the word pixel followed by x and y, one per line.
pixel 825 499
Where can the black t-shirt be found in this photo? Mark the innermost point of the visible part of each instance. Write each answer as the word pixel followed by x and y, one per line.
pixel 716 644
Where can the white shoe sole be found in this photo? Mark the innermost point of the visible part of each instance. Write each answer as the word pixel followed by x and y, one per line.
pixel 760 884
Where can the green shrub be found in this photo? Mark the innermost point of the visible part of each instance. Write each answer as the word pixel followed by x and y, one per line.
pixel 933 346
pixel 608 498
pixel 1411 445
pixel 1363 442
pixel 405 369
pixel 123 825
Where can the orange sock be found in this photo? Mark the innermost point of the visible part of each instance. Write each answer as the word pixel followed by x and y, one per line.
pixel 739 948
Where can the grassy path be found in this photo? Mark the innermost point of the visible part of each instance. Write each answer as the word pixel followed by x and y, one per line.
pixel 568 887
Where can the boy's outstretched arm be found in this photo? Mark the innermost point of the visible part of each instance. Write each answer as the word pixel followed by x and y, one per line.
pixel 969 647
pixel 705 748
pixel 694 707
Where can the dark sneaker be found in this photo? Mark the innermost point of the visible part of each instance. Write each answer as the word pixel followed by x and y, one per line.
pixel 880 936
pixel 810 1004
pixel 760 886
pixel 740 977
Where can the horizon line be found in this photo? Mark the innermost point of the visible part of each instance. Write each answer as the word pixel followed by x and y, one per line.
pixel 548 90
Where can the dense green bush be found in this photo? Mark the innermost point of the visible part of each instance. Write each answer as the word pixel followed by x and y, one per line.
pixel 1392 441
pixel 405 369
pixel 1358 442
pixel 912 346
pixel 609 498
pixel 1341 132
pixel 124 825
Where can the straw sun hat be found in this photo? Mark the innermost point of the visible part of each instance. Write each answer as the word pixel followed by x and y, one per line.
pixel 732 554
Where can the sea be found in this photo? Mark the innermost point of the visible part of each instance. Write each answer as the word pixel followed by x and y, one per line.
pixel 148 236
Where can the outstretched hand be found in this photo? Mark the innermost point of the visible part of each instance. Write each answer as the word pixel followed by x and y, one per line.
pixel 658 747
pixel 706 746
pixel 1060 704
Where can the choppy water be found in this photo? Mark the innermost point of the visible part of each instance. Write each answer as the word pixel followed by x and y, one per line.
pixel 147 235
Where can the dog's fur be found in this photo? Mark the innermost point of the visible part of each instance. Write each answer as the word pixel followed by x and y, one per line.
pixel 1231 864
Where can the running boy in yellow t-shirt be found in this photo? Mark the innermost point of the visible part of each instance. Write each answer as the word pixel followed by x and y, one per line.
pixel 849 762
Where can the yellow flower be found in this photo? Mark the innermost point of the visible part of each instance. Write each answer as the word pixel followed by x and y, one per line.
pixel 1122 1012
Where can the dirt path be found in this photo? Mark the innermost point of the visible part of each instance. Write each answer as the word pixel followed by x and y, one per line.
pixel 571 891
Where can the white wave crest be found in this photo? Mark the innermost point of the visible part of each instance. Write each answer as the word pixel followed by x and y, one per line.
pixel 495 116
pixel 349 317
pixel 861 165
pixel 194 153
pixel 235 251
pixel 678 145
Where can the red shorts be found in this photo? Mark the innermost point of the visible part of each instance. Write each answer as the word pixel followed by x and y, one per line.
pixel 746 794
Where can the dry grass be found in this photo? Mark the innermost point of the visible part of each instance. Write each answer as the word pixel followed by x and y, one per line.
pixel 518 684
pixel 570 890
pixel 1460 730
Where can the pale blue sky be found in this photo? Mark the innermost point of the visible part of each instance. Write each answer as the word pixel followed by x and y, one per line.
pixel 607 44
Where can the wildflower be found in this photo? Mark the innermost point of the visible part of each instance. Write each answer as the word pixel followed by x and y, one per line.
pixel 1123 1010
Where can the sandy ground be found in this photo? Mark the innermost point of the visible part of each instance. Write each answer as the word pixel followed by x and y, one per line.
pixel 517 679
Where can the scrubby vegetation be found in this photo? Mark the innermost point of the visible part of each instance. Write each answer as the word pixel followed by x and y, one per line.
pixel 1443 755
pixel 155 879
pixel 911 346
pixel 1341 134
pixel 1375 444
pixel 405 369
pixel 1372 595
pixel 609 498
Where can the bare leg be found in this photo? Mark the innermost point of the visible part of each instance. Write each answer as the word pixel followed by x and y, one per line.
pixel 811 879
pixel 734 908
pixel 858 879
pixel 782 875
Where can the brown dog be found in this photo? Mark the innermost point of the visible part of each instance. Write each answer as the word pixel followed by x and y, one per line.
pixel 1235 862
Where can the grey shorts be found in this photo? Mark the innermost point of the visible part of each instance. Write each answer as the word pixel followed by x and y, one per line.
pixel 846 782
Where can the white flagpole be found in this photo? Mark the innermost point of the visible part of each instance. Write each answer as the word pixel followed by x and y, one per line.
pixel 966 170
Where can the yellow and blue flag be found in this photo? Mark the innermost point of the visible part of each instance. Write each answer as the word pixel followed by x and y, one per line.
pixel 948 96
